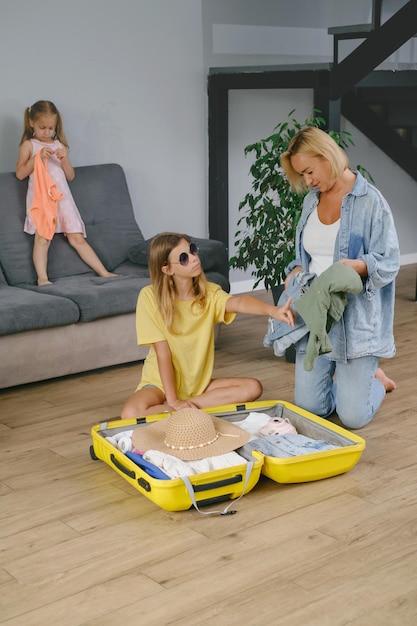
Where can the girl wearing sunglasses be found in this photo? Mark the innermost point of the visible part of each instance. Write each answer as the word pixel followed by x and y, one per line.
pixel 176 316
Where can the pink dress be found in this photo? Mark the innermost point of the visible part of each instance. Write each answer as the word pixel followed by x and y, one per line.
pixel 68 217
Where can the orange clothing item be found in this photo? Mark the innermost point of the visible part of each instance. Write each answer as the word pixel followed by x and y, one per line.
pixel 45 199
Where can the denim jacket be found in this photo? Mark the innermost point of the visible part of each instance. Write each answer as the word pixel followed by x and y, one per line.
pixel 366 232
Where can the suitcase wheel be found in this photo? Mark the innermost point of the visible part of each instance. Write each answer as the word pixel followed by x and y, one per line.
pixel 93 454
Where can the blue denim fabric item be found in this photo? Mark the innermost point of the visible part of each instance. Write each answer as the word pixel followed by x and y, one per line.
pixel 284 446
pixel 281 335
pixel 281 344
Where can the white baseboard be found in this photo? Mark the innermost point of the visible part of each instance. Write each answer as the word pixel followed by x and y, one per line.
pixel 246 286
pixel 408 259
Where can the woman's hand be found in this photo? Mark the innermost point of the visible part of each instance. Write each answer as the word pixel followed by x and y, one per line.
pixel 358 265
pixel 296 269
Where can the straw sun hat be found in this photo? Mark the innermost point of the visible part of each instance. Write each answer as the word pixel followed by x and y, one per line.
pixel 190 434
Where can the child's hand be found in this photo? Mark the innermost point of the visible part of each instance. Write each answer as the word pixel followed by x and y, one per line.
pixel 182 404
pixel 46 153
pixel 285 313
pixel 61 153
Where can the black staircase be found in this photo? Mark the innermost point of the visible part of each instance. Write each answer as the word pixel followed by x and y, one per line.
pixel 383 104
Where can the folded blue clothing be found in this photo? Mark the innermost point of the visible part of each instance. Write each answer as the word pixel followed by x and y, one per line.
pixel 284 446
pixel 280 340
pixel 281 335
pixel 149 468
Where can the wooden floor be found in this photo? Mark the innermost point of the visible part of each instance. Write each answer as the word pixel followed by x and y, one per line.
pixel 80 546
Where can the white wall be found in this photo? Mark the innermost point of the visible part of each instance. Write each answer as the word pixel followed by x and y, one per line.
pixel 129 79
pixel 253 114
pixel 280 32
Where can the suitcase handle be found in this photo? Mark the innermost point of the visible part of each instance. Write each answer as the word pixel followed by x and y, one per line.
pixel 122 468
pixel 191 489
pixel 130 473
pixel 219 483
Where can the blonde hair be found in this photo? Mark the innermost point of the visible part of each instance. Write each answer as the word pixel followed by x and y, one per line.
pixel 42 107
pixel 163 284
pixel 312 142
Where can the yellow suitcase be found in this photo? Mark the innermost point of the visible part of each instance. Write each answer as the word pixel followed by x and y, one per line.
pixel 232 483
pixel 177 494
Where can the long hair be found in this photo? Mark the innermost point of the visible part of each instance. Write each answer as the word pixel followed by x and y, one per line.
pixel 313 142
pixel 42 107
pixel 163 284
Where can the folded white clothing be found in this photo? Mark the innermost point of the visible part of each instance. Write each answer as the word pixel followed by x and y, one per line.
pixel 175 468
pixel 253 422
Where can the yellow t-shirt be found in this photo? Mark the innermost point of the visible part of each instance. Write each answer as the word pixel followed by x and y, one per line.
pixel 192 348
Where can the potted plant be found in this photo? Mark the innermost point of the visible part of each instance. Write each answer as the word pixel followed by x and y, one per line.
pixel 265 239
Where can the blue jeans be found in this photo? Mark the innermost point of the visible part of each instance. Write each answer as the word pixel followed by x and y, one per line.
pixel 356 396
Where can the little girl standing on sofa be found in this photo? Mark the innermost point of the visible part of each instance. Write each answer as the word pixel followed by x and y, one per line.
pixel 43 133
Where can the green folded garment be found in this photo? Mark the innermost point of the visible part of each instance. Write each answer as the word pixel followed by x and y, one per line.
pixel 323 304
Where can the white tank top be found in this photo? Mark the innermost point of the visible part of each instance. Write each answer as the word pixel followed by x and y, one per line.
pixel 319 240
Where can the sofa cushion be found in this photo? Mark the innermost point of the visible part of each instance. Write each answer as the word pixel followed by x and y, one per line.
pixel 103 199
pixel 212 253
pixel 98 297
pixel 21 310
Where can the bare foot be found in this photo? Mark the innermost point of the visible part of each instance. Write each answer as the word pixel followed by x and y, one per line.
pixel 389 385
pixel 44 281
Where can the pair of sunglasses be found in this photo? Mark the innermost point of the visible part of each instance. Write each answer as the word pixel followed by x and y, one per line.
pixel 184 257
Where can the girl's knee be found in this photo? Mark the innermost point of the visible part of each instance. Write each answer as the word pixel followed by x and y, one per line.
pixel 76 239
pixel 128 412
pixel 253 388
pixel 41 241
pixel 132 408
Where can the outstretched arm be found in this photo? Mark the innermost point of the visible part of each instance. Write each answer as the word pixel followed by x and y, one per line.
pixel 252 306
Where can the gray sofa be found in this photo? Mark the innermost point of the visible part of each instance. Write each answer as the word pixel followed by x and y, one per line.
pixel 80 322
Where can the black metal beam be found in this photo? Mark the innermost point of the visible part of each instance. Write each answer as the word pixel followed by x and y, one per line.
pixel 376 48
pixel 218 135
